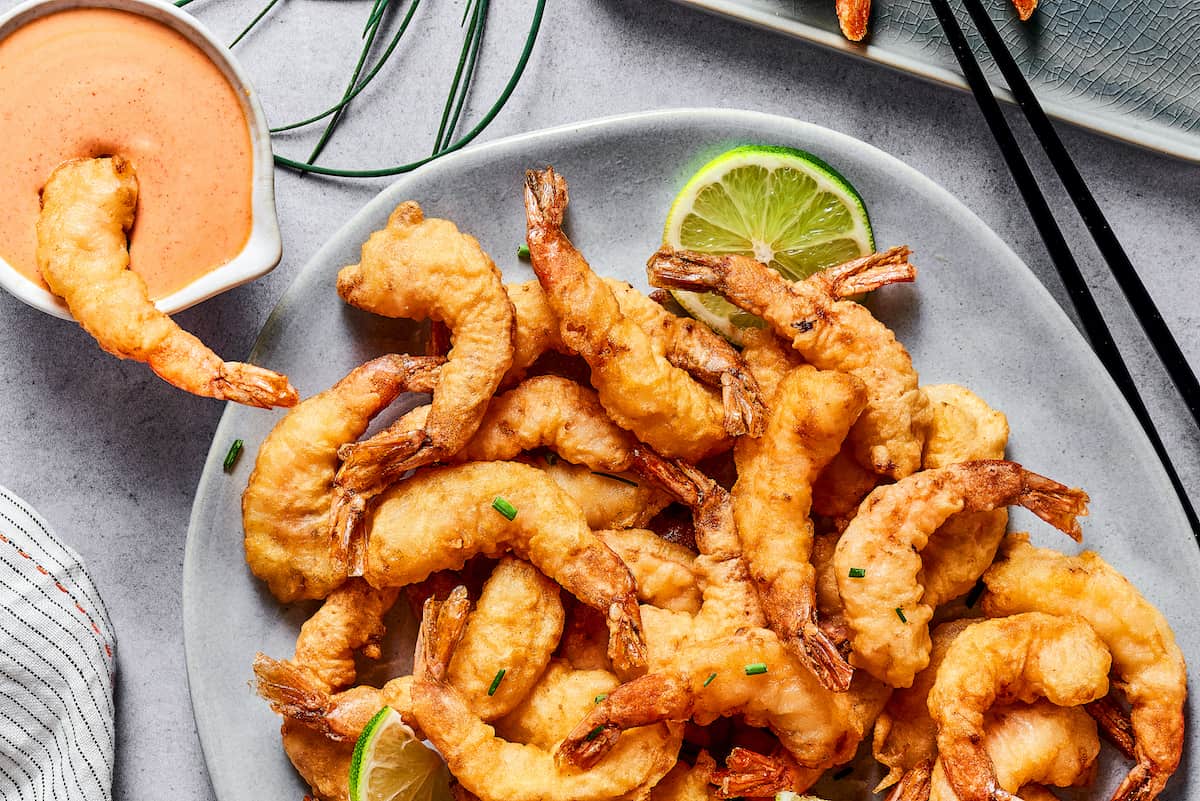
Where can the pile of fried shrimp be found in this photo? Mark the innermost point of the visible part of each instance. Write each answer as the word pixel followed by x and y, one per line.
pixel 650 564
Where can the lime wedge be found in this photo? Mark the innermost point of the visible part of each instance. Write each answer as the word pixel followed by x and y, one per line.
pixel 782 206
pixel 391 764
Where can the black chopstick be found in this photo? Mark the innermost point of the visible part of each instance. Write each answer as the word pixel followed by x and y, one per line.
pixel 1118 262
pixel 1095 328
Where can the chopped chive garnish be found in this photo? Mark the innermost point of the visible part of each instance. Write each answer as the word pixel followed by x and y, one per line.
pixel 900 614
pixel 622 479
pixel 522 251
pixel 710 678
pixel 599 698
pixel 235 450
pixel 594 733
pixel 504 507
pixel 843 773
pixel 973 595
pixel 858 572
pixel 755 669
pixel 495 685
pixel 551 458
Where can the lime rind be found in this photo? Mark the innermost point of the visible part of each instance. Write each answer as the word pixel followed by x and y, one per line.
pixel 727 207
pixel 426 778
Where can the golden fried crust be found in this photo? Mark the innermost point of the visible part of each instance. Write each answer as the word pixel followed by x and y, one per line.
pixel 324 763
pixel 1146 658
pixel 561 697
pixel 666 572
pixel 687 782
pixel 608 500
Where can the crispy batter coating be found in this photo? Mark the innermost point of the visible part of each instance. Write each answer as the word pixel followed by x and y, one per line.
pixel 608 500
pixel 884 606
pixel 88 208
pixel 320 761
pixel 963 428
pixel 811 413
pixel 1148 663
pixel 288 501
pixel 640 388
pixel 498 770
pixel 1005 661
pixel 687 782
pixel 560 698
pixel 666 572
pixel 830 334
pixel 420 269
pixel 441 517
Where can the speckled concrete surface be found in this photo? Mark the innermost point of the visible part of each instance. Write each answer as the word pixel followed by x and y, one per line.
pixel 110 455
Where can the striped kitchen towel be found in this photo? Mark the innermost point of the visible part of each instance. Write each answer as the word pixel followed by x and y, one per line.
pixel 57 656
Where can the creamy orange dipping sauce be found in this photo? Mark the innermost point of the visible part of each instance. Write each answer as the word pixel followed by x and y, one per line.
pixel 92 82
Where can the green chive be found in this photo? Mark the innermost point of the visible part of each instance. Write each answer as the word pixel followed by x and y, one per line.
pixel 858 572
pixel 599 698
pixel 900 614
pixel 973 595
pixel 504 507
pixel 710 678
pixel 235 450
pixel 622 479
pixel 594 733
pixel 495 685
pixel 756 669
pixel 522 251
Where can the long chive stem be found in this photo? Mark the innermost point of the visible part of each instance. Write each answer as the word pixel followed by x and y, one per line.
pixel 476 36
pixel 463 56
pixel 253 22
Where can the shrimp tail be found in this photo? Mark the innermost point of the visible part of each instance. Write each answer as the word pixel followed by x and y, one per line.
pixel 852 18
pixel 442 627
pixel 744 411
pixel 1142 783
pixel 641 702
pixel 293 693
pixel 252 385
pixel 626 645
pixel 685 269
pixel 545 199
pixel 1114 722
pixel 915 785
pixel 869 272
pixel 682 480
pixel 818 652
pixel 1057 504
pixel 749 774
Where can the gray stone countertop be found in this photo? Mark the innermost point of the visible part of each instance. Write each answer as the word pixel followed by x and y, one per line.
pixel 111 455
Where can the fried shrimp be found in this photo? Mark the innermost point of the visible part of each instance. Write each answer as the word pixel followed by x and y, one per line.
pixel 1037 743
pixel 550 709
pixel 747 672
pixel 830 334
pixel 665 572
pixel 88 208
pixel 640 388
pixel 963 428
pixel 687 782
pixel 424 268
pixel 441 517
pixel 811 412
pixel 1005 661
pixel 288 501
pixel 1148 664
pixel 499 770
pixel 608 500
pixel 878 558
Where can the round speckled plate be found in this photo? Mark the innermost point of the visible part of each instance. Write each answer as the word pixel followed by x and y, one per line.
pixel 976 316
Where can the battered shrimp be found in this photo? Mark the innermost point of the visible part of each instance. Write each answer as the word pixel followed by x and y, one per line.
pixel 427 269
pixel 641 390
pixel 665 572
pixel 88 207
pixel 608 500
pixel 878 558
pixel 685 343
pixel 1036 743
pixel 687 782
pixel 498 770
pixel 288 501
pixel 712 678
pixel 1149 665
pixel 810 415
pixel 561 697
pixel 1005 661
pixel 962 428
pixel 830 334
pixel 441 517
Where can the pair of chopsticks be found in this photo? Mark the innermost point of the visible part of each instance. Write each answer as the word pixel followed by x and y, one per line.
pixel 1110 248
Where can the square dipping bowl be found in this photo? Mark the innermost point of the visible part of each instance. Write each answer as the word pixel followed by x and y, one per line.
pixel 263 248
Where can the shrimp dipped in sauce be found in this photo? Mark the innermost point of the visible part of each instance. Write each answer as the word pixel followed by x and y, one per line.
pixel 830 334
pixel 87 211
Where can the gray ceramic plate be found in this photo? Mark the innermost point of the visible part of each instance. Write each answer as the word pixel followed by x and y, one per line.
pixel 1126 70
pixel 976 316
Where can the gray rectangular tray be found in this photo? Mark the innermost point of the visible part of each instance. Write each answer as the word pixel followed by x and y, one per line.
pixel 1126 69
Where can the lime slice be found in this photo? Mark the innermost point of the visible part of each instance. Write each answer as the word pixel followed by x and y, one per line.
pixel 390 763
pixel 782 206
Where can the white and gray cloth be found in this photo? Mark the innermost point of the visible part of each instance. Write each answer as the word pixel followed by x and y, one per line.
pixel 57 662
